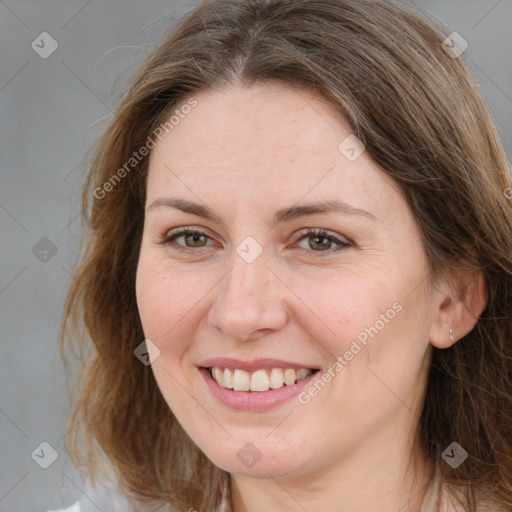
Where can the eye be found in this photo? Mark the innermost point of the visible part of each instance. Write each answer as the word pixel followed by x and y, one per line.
pixel 321 240
pixel 193 238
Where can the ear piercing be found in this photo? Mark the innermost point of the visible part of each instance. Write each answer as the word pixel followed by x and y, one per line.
pixel 452 336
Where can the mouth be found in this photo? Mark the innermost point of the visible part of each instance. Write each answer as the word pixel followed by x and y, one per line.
pixel 255 385
pixel 257 388
pixel 260 380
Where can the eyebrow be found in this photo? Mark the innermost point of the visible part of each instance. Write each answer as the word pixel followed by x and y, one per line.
pixel 283 215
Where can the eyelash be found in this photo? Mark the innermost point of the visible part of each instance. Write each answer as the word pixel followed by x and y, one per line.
pixel 308 232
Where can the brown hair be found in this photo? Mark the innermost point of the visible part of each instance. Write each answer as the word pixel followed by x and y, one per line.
pixel 418 112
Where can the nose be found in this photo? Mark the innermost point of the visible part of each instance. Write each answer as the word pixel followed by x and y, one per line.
pixel 250 301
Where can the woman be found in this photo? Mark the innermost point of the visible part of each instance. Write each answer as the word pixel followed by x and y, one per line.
pixel 233 366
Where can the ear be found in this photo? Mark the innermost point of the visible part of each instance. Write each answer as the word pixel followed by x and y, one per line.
pixel 457 305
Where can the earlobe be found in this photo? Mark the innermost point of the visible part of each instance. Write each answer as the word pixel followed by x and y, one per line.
pixel 457 315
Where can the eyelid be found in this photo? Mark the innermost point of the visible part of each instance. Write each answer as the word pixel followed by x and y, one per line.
pixel 304 233
pixel 169 236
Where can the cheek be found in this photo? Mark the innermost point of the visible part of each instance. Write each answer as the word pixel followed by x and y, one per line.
pixel 166 300
pixel 166 296
pixel 375 324
pixel 166 291
pixel 340 307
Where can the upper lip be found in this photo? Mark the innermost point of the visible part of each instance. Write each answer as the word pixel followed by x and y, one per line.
pixel 252 365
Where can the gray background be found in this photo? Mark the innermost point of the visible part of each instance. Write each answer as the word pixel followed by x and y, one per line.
pixel 51 111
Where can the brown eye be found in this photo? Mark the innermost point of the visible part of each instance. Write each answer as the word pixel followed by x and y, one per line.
pixel 321 241
pixel 192 239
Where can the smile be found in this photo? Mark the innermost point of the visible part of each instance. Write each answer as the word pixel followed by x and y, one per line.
pixel 258 384
pixel 259 380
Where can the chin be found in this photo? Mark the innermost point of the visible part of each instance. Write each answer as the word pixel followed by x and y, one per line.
pixel 256 457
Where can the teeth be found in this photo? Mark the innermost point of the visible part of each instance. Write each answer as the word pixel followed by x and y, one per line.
pixel 218 375
pixel 260 380
pixel 301 374
pixel 276 378
pixel 241 380
pixel 228 379
pixel 289 376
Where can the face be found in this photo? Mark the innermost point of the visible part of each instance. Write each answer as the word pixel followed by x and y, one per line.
pixel 269 280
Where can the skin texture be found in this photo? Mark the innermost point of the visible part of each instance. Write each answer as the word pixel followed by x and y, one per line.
pixel 246 153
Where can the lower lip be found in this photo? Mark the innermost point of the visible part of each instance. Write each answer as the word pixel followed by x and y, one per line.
pixel 254 400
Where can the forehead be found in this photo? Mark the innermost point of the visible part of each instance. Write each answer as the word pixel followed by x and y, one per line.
pixel 269 140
